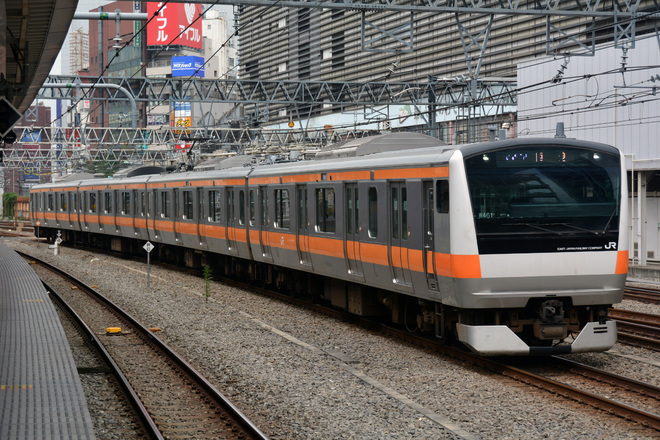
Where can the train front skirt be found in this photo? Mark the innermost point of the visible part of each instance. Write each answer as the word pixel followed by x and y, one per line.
pixel 499 340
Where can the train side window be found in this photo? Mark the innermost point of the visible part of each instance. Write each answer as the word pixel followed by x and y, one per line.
pixel 373 212
pixel 263 194
pixel 200 204
pixel 51 202
pixel 325 210
pixel 215 206
pixel 165 204
pixel 125 203
pixel 92 202
pixel 107 198
pixel 230 205
pixel 63 201
pixel 188 205
pixel 74 202
pixel 282 207
pixel 241 207
pixel 252 207
pixel 143 203
pixel 442 201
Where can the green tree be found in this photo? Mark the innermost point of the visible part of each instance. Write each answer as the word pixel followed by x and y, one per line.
pixel 9 204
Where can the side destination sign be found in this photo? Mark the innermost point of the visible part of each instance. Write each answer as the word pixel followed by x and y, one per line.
pixel 188 66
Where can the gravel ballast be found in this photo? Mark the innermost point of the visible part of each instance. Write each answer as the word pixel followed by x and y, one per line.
pixel 299 375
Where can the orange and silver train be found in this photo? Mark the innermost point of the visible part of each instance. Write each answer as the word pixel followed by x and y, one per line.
pixel 513 247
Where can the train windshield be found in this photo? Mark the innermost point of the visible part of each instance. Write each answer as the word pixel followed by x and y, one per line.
pixel 545 199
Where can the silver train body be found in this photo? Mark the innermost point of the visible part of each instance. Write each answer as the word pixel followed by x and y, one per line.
pixel 515 247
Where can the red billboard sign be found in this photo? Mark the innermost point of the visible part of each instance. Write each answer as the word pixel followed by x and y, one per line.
pixel 175 19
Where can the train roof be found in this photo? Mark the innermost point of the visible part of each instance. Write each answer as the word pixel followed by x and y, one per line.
pixel 383 155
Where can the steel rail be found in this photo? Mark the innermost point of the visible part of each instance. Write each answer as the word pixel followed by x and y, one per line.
pixel 238 417
pixel 147 422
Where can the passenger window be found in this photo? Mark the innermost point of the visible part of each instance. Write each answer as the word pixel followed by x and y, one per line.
pixel 125 202
pixel 252 208
pixel 108 202
pixel 442 191
pixel 51 202
pixel 282 207
pixel 165 205
pixel 373 212
pixel 188 205
pixel 241 207
pixel 325 210
pixel 215 206
pixel 92 202
pixel 62 201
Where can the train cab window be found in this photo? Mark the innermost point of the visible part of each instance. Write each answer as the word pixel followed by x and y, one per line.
pixel 282 209
pixel 125 202
pixel 325 210
pixel 165 204
pixel 92 202
pixel 63 205
pixel 107 202
pixel 188 205
pixel 373 212
pixel 51 202
pixel 252 207
pixel 241 207
pixel 215 206
pixel 442 201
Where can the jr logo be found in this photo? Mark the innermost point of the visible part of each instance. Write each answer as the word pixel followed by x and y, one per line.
pixel 611 245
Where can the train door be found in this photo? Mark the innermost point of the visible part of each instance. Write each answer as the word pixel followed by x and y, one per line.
pixel 157 213
pixel 303 227
pixel 136 212
pixel 352 240
pixel 84 209
pixel 201 219
pixel 399 233
pixel 264 241
pixel 428 216
pixel 176 214
pixel 232 223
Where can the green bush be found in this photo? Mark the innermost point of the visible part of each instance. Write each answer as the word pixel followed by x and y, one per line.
pixel 9 204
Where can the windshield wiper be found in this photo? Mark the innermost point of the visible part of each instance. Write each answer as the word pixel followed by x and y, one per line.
pixel 607 225
pixel 532 225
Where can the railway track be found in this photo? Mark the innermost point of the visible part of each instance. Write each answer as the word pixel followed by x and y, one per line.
pixel 641 403
pixel 637 406
pixel 651 296
pixel 173 399
pixel 637 329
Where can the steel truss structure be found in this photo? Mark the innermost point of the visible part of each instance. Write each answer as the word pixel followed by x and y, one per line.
pixel 444 92
pixel 113 144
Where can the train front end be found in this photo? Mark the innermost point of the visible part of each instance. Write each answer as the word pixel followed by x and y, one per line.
pixel 548 219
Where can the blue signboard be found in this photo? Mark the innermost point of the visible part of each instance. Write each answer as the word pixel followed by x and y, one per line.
pixel 188 66
pixel 30 171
